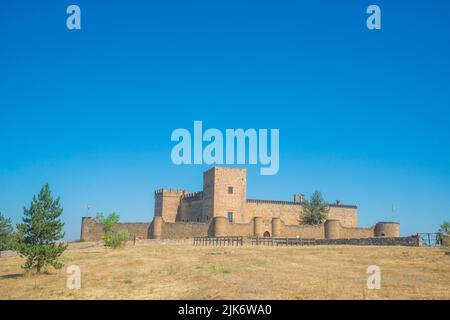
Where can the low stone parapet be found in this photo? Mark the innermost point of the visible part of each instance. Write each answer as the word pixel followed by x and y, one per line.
pixel 411 241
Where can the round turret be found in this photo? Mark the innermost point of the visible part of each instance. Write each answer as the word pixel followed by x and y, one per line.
pixel 157 227
pixel 258 227
pixel 276 227
pixel 387 229
pixel 332 229
pixel 220 226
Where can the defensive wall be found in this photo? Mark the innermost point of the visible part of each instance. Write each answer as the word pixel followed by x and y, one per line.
pixel 220 226
pixel 223 209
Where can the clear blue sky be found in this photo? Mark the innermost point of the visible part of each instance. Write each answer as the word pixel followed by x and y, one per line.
pixel 363 115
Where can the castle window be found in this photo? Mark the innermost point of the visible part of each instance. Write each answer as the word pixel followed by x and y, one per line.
pixel 230 216
pixel 230 190
pixel 207 218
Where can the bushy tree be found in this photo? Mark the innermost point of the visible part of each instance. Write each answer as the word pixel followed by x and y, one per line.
pixel 6 233
pixel 444 233
pixel 40 233
pixel 118 239
pixel 445 228
pixel 111 236
pixel 314 211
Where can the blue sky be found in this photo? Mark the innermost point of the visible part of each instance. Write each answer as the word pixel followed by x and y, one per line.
pixel 363 115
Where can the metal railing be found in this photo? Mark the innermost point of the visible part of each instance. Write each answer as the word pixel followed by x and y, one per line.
pixel 218 241
pixel 430 239
pixel 281 241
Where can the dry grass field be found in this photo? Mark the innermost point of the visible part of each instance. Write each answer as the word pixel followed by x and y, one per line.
pixel 179 270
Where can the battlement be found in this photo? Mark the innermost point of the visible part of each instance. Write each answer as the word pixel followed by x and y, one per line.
pixel 349 206
pixel 227 169
pixel 192 196
pixel 298 203
pixel 274 202
pixel 171 190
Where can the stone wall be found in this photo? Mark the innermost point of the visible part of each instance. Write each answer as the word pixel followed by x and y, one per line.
pixel 332 229
pixel 290 212
pixel 356 232
pixel 347 215
pixel 191 209
pixel 309 232
pixel 287 211
pixel 90 230
pixel 411 241
pixel 181 230
pixel 318 232
pixel 93 231
pixel 239 229
pixel 138 229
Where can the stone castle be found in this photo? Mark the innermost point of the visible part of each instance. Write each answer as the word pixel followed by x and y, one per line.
pixel 222 209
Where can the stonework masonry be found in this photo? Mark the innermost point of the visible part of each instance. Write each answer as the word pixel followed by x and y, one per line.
pixel 93 231
pixel 222 209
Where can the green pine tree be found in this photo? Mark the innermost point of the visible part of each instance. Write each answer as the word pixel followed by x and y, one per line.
pixel 40 233
pixel 6 233
pixel 315 211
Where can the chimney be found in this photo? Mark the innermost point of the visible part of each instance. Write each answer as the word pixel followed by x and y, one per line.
pixel 338 202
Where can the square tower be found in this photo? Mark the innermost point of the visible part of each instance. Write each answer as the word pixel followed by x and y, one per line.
pixel 167 203
pixel 224 193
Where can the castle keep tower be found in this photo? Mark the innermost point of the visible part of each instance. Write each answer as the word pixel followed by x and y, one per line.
pixel 224 194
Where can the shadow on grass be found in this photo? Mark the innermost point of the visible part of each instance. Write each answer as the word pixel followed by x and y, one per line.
pixel 11 276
